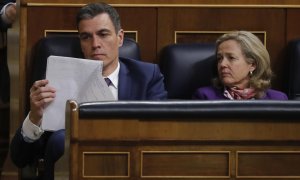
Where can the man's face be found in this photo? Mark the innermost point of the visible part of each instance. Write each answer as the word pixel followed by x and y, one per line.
pixel 99 41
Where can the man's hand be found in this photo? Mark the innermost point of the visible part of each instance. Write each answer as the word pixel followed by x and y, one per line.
pixel 11 12
pixel 40 96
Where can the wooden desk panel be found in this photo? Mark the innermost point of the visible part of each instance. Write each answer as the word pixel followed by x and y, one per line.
pixel 184 148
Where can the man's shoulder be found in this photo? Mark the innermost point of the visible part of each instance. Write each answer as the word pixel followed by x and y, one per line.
pixel 137 65
pixel 135 62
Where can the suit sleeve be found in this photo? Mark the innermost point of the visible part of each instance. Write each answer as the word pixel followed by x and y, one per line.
pixel 23 153
pixel 156 89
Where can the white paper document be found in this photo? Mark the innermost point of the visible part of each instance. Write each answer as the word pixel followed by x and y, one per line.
pixel 76 79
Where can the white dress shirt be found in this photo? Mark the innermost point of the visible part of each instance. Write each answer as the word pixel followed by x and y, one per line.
pixel 114 78
pixel 30 131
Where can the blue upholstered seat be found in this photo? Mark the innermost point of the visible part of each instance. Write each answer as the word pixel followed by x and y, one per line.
pixel 187 67
pixel 294 70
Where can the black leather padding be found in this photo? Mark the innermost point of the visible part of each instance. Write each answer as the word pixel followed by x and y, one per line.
pixel 294 69
pixel 187 67
pixel 68 46
pixel 174 109
pixel 130 49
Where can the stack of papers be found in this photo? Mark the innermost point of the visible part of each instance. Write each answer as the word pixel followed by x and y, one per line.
pixel 76 79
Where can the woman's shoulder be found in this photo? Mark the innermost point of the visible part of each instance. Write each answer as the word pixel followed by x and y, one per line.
pixel 207 89
pixel 275 95
pixel 208 93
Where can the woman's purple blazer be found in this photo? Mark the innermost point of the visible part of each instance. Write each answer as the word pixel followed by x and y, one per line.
pixel 212 93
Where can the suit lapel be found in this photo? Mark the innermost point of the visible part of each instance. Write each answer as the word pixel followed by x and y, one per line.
pixel 125 83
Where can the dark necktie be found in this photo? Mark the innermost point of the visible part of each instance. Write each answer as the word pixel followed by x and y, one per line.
pixel 108 81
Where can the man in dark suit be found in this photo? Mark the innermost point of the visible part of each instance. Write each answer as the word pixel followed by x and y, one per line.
pixel 100 36
pixel 8 14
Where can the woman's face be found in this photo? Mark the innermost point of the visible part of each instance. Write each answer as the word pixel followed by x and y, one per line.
pixel 233 69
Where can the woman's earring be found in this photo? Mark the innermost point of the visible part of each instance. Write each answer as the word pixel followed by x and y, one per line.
pixel 251 73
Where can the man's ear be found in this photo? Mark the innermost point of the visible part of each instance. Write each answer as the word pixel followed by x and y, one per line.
pixel 121 37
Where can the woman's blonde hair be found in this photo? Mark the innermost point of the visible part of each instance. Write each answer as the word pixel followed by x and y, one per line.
pixel 256 53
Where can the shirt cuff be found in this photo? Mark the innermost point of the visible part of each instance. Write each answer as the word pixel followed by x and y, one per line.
pixel 30 131
pixel 3 14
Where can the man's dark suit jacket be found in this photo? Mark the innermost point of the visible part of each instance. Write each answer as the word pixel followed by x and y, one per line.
pixel 137 81
pixel 140 81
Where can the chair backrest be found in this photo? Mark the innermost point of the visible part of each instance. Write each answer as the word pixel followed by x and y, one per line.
pixel 130 49
pixel 294 69
pixel 70 46
pixel 187 67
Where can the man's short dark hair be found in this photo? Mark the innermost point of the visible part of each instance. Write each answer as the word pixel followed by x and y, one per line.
pixel 91 10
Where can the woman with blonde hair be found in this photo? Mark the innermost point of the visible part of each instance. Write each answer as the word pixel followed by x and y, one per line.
pixel 244 70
